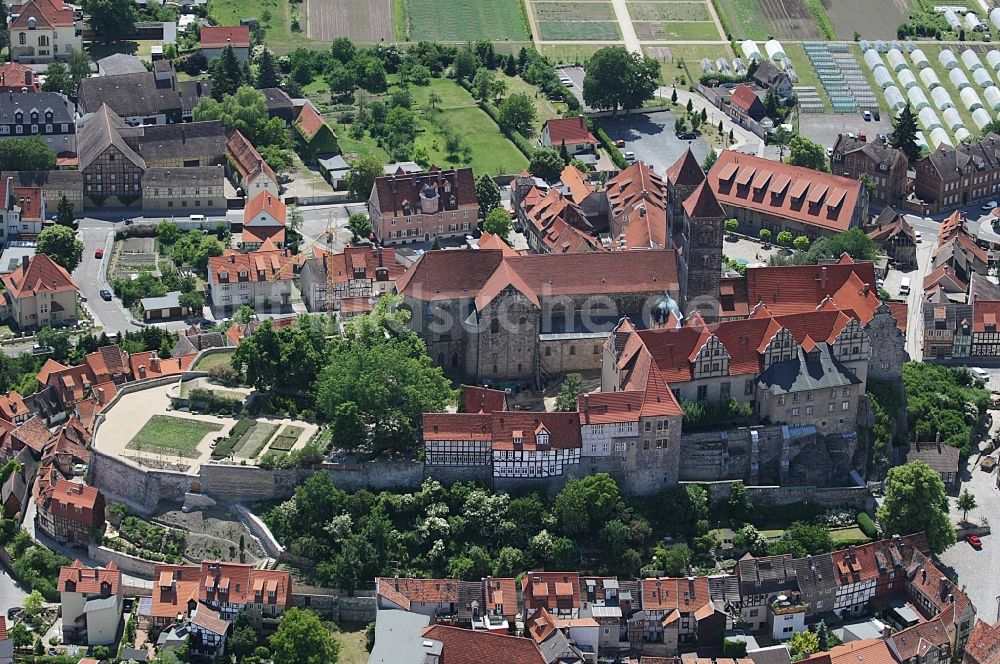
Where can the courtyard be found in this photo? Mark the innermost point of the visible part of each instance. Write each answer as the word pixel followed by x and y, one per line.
pixel 181 441
pixel 651 137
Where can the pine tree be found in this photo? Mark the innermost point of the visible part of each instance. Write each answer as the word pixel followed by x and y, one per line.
pixel 64 213
pixel 267 71
pixel 564 153
pixel 673 96
pixel 690 106
pixel 510 65
pixel 904 134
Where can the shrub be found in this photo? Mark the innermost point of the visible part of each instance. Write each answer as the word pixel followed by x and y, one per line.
pixel 866 525
pixel 213 402
pixel 616 155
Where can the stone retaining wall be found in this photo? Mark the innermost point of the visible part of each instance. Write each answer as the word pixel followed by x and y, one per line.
pixel 128 564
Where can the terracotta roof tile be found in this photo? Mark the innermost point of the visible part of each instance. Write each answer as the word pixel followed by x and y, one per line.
pixel 398 195
pixel 868 651
pixel 576 183
pixel 43 275
pixel 14 76
pixel 309 121
pixel 466 646
pixel 551 590
pixel 984 644
pixel 570 130
pixel 744 97
pixel 476 399
pixel 264 203
pixel 222 35
pixel 247 160
pixel 686 170
pixel 90 580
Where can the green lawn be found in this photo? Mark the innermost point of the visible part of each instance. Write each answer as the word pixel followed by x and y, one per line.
pixel 846 534
pixel 286 440
pixel 568 53
pixel 931 51
pixel 465 20
pixel 278 33
pixel 744 19
pixel 546 109
pixel 669 30
pixel 172 435
pixel 214 361
pixel 352 647
pixel 668 11
pixel 254 440
pixel 491 151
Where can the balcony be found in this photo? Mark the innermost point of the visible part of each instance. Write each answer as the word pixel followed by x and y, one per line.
pixel 783 605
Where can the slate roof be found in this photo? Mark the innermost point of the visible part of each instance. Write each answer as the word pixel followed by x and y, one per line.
pixel 940 457
pixel 877 150
pixel 949 161
pixel 767 575
pixel 141 94
pixel 184 141
pixel 803 374
pixel 26 102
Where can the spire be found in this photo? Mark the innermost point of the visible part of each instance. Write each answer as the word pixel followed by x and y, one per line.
pixel 702 203
pixel 686 170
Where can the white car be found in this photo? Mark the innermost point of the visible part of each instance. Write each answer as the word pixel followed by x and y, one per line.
pixel 566 80
pixel 629 156
pixel 919 236
pixel 989 207
pixel 981 374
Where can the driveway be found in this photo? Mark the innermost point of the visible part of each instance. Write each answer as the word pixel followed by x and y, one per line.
pixel 968 563
pixel 11 594
pixel 651 137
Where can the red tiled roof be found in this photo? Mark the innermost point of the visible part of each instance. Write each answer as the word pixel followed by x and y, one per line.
pixel 238 332
pixel 551 590
pixel 309 121
pixel 397 195
pixel 29 199
pixel 206 618
pixel 442 275
pixel 466 646
pixel 154 367
pixel 985 315
pixel 264 203
pixel 576 183
pixel 502 428
pixel 501 593
pixel 48 14
pixel 570 130
pixel 638 200
pixel 222 35
pixel 3 628
pixel 90 580
pixel 175 586
pixel 868 651
pixel 702 204
pixel 32 433
pixel 245 157
pixel 67 497
pixel 556 221
pixel 744 97
pixel 11 406
pixel 918 640
pixel 261 234
pixel 243 584
pixel 814 198
pixel 669 594
pixel 261 265
pixel 474 399
pixel 686 170
pixel 403 591
pixel 984 644
pixel 855 564
pixel 14 76
pixel 43 275
pixel 948 278
pixel 628 406
pixel 796 288
pixel 363 262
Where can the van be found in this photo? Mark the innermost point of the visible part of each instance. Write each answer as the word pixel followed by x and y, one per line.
pixel 980 374
pixel 904 286
pixel 197 217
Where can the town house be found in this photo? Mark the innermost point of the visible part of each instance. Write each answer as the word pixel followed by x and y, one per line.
pixel 91 599
pixel 419 207
pixel 884 165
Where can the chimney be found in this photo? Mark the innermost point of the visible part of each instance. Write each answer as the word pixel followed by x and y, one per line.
pixel 154 362
pixel 586 403
pixel 866 289
pixel 100 395
pixel 24 262
pixel 923 576
pixel 822 278
pixel 886 632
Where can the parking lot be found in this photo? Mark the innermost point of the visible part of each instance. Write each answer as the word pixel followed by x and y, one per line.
pixel 575 75
pixel 651 137
pixel 823 128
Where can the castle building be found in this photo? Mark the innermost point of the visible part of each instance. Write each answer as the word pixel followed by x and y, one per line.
pixel 420 207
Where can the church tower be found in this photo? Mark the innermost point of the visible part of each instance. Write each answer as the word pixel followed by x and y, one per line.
pixel 704 217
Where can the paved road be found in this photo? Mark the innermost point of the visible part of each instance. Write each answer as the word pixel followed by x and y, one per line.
pixel 745 140
pixel 626 26
pixel 11 594
pixel 915 323
pixel 95 234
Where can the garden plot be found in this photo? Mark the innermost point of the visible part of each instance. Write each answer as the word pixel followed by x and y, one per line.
pixel 285 441
pixel 361 20
pixel 254 440
pixel 574 11
pixel 135 255
pixel 177 436
pixel 465 20
pixel 672 30
pixel 579 30
pixel 668 11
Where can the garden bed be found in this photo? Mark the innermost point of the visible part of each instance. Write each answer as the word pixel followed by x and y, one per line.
pixel 164 434
pixel 254 440
pixel 286 440
pixel 239 429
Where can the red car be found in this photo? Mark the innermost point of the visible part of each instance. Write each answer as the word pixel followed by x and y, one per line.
pixel 99 253
pixel 620 143
pixel 974 541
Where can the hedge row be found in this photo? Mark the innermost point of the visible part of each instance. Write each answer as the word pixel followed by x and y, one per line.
pixel 616 155
pixel 866 525
pixel 225 448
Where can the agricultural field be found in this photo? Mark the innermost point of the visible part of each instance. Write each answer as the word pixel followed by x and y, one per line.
pixel 668 11
pixel 579 30
pixel 177 436
pixel 460 20
pixel 573 11
pixel 806 73
pixel 675 30
pixel 362 21
pixel 875 19
pixel 760 19
pixel 278 31
pixel 572 54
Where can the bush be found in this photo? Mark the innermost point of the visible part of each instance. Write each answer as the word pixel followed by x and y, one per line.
pixel 866 525
pixel 616 155
pixel 225 448
pixel 212 402
pixel 713 413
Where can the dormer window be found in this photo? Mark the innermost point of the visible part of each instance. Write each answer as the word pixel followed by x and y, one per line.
pixel 34 117
pixel 542 438
pixel 31 22
pixel 223 276
pixel 19 116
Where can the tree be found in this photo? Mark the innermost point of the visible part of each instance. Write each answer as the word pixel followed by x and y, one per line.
pixel 498 223
pixel 764 235
pixel 360 226
pixel 771 104
pixel 780 137
pixel 966 503
pixel 497 90
pixel 56 340
pixel 545 164
pixel 243 315
pixel 731 225
pixel 464 64
pixel 433 99
pixel 916 501
pixel 586 504
pixel 568 393
pixel 61 245
pixel 348 431
pixel 803 152
pixel 193 301
pixel 803 644
pixel 242 641
pixel 21 637
pixel 617 79
pixel 675 559
pixel 869 183
pixel 33 605
pixel 64 213
pixel 709 161
pixel 749 539
pixel 487 193
pixel 801 243
pixel 482 82
pixel 258 356
pixel 673 96
pixel 302 639
pixel 57 79
pixel 690 106
pixel 361 177
pixel 815 540
pixel 26 154
pixel 245 110
pixel 784 238
pixel 739 505
pixel 111 19
pixel 79 68
pixel 227 74
pixel 517 112
pixel 268 75
pixel 904 134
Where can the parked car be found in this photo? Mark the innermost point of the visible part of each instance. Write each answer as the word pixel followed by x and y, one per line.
pixel 630 157
pixel 989 207
pixel 99 253
pixel 974 541
pixel 566 80
pixel 105 294
pixel 988 464
pixel 867 116
pixel 38 349
pixel 620 143
pixel 980 373
pixel 919 236
pixel 13 611
pixel 687 135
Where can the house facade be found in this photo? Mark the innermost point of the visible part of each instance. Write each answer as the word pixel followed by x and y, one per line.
pixel 70 512
pixel 47 115
pixel 91 599
pixel 40 292
pixel 886 166
pixel 419 207
pixel 42 31
pixel 954 177
pixel 263 280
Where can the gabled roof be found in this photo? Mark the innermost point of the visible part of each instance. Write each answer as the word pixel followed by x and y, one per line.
pixel 46 14
pixel 246 159
pixel 490 241
pixel 264 203
pixel 14 76
pixel 638 200
pixel 628 406
pixel 466 646
pixel 984 644
pixel 796 288
pixel 403 591
pixel 223 35
pixel 866 651
pixel 90 580
pixel 476 399
pixel 551 590
pixel 745 98
pixel 104 130
pixel 43 275
pixel 397 192
pixel 11 406
pixel 569 130
pixel 309 121
pixel 684 595
pixel 792 192
pixel 576 184
pixel 686 170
